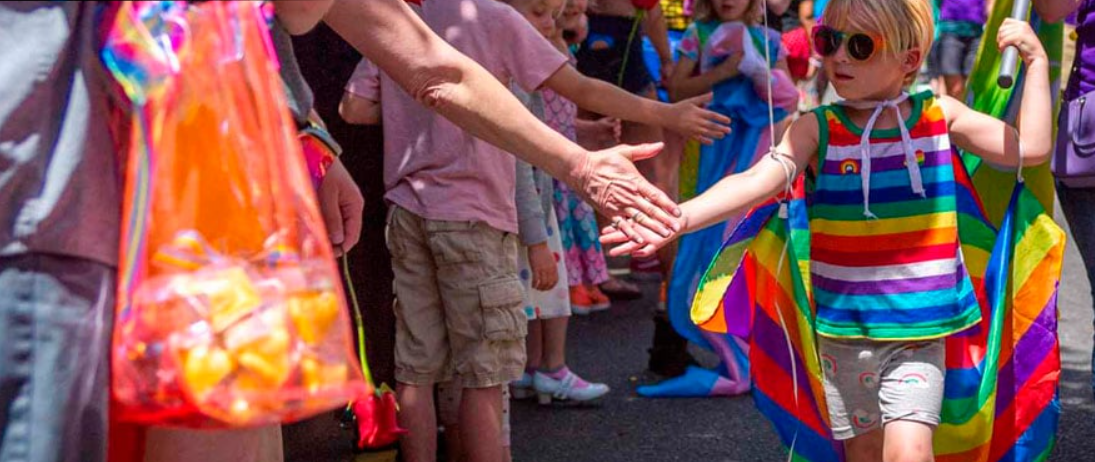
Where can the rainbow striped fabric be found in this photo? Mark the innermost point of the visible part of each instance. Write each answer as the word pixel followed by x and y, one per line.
pixel 1000 394
pixel 898 274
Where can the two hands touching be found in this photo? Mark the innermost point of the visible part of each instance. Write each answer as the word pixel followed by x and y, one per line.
pixel 608 180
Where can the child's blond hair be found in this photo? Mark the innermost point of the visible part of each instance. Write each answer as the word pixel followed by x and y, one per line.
pixel 903 24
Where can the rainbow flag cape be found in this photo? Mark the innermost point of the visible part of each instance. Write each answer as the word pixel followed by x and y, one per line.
pixel 1001 391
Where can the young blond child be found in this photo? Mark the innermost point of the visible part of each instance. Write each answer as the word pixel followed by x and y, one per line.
pixel 886 268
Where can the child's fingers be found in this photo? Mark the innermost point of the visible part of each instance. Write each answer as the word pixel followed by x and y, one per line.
pixel 624 249
pixel 629 230
pixel 718 119
pixel 643 220
pixel 703 99
pixel 645 252
pixel 612 236
pixel 713 130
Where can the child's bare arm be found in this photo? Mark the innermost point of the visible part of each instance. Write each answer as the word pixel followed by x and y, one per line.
pixel 688 118
pixel 992 139
pixel 655 28
pixel 683 84
pixel 359 111
pixel 733 195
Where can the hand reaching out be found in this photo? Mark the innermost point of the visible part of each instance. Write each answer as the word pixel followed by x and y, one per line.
pixel 647 246
pixel 609 181
pixel 690 119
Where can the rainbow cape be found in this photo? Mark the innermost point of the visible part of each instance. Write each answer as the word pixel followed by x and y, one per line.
pixel 1001 389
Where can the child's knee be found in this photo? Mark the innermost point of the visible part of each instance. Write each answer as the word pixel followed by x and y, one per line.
pixel 908 441
pixel 908 456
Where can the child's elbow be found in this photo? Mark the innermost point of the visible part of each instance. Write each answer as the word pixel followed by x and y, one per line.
pixel 359 112
pixel 1039 155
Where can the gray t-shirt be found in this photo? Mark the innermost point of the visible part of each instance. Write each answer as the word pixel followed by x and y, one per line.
pixel 299 94
pixel 59 173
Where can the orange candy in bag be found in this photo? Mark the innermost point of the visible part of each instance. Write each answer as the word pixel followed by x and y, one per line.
pixel 230 309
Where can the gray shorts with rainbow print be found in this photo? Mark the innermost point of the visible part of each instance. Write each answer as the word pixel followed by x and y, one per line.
pixel 870 383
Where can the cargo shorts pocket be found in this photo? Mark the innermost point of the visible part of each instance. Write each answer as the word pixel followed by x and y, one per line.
pixel 455 243
pixel 503 315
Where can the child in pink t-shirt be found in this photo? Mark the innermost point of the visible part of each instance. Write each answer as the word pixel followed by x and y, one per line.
pixel 453 219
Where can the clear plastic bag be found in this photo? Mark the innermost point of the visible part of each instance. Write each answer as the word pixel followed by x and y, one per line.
pixel 230 309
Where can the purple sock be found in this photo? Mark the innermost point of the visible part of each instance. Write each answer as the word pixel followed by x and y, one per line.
pixel 556 374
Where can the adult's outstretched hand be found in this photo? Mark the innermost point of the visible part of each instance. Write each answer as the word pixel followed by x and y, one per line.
pixel 609 181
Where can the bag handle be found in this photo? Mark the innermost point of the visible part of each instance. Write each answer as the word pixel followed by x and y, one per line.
pixel 357 321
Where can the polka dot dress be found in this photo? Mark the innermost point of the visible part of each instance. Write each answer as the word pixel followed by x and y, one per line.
pixel 554 303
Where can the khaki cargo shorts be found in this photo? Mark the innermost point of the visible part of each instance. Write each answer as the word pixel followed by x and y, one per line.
pixel 458 306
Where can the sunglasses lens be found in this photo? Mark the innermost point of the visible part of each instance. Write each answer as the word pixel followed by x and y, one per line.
pixel 826 41
pixel 860 47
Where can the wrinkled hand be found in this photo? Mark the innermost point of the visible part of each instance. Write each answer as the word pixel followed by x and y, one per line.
pixel 1020 35
pixel 545 275
pixel 609 181
pixel 341 204
pixel 693 121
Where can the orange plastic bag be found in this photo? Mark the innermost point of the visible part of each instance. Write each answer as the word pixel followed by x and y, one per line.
pixel 230 310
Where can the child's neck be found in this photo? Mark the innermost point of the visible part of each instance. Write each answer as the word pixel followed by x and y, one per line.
pixel 882 95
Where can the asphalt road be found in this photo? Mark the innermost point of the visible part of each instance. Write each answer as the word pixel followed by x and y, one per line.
pixel 611 347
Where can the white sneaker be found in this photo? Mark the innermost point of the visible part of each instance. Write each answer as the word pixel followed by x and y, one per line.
pixel 569 388
pixel 522 389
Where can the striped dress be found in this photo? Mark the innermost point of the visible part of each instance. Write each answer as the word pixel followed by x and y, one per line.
pixel 887 265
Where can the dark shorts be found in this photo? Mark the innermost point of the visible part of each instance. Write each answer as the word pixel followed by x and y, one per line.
pixel 956 54
pixel 603 53
pixel 55 323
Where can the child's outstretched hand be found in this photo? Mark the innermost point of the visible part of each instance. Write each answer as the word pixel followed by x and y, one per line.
pixel 692 120
pixel 652 239
pixel 542 263
pixel 1020 35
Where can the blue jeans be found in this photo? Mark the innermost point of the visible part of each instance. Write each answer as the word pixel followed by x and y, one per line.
pixel 55 325
pixel 1079 207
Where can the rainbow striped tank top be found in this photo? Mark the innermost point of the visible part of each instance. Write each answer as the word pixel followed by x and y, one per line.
pixel 887 265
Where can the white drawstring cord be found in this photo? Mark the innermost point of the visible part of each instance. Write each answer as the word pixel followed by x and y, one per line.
pixel 912 164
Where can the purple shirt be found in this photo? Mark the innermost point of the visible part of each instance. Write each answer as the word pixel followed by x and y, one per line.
pixel 962 11
pixel 432 168
pixel 1082 79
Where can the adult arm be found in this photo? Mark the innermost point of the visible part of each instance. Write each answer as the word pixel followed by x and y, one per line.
pixel 1055 10
pixel 390 35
